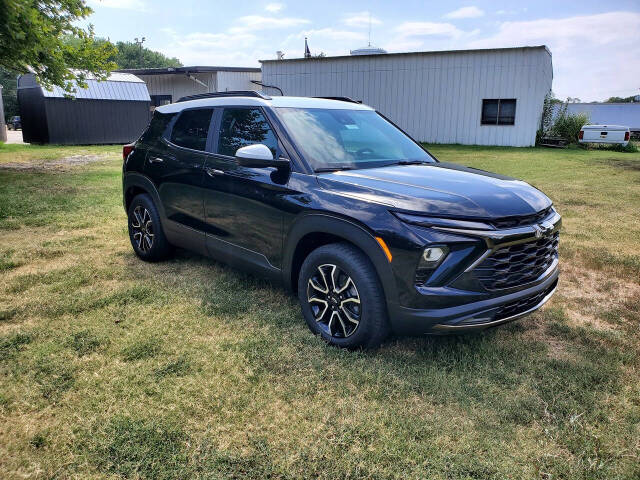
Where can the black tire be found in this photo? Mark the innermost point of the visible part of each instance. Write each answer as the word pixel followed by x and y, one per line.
pixel 336 323
pixel 145 230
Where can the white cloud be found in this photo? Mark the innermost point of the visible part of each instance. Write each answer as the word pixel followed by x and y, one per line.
pixel 465 12
pixel 122 4
pixel 332 34
pixel 592 54
pixel 258 22
pixel 274 7
pixel 360 19
pixel 207 41
pixel 204 48
pixel 414 29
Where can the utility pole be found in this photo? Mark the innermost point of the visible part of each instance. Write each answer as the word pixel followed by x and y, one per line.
pixel 139 43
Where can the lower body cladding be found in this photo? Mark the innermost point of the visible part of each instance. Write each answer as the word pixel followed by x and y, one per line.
pixel 516 275
pixel 474 316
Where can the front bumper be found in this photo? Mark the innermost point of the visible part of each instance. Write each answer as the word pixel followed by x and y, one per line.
pixel 473 316
pixel 463 303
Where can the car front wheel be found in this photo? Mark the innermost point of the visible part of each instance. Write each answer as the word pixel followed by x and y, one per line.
pixel 341 297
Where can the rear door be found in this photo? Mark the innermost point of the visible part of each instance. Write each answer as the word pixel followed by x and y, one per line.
pixel 243 205
pixel 176 165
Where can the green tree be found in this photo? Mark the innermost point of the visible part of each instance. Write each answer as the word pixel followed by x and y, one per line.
pixel 33 37
pixel 621 99
pixel 132 55
pixel 9 93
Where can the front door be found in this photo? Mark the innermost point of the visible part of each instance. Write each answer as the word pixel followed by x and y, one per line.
pixel 243 205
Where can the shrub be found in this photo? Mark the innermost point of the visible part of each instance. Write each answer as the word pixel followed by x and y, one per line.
pixel 567 125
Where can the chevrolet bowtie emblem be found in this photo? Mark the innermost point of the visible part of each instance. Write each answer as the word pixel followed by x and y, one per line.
pixel 543 229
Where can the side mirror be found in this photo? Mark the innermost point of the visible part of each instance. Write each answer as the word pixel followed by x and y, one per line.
pixel 259 156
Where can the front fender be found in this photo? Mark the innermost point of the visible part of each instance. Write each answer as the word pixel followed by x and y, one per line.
pixel 351 231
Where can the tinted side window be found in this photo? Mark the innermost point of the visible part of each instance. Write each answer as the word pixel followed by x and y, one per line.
pixel 157 127
pixel 191 129
pixel 244 126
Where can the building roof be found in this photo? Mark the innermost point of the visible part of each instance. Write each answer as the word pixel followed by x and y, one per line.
pixel 434 52
pixel 118 86
pixel 184 70
pixel 291 102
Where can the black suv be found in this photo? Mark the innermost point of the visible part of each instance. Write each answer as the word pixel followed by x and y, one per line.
pixel 337 203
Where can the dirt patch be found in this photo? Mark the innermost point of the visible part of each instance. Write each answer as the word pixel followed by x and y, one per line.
pixel 590 293
pixel 585 297
pixel 556 348
pixel 58 164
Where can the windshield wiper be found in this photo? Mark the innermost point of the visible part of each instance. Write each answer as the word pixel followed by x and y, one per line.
pixel 331 169
pixel 410 162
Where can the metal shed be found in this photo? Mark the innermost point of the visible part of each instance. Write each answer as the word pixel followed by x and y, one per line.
pixel 440 97
pixel 112 111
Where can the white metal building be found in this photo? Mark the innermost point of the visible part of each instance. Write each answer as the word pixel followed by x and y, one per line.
pixel 627 114
pixel 484 97
pixel 167 85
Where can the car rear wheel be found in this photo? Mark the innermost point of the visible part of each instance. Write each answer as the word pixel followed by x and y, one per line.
pixel 145 231
pixel 341 297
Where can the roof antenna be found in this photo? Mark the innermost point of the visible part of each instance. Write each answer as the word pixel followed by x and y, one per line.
pixel 369 29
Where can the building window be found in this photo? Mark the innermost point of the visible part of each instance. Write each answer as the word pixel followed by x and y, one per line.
pixel 498 111
pixel 191 129
pixel 159 100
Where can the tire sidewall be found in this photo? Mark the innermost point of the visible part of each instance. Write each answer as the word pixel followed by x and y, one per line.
pixel 146 202
pixel 367 296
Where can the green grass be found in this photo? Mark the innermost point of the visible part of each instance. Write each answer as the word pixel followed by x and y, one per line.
pixel 114 368
pixel 19 153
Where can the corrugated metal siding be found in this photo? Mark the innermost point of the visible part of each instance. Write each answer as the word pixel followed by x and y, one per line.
pixel 179 85
pixel 228 81
pixel 626 114
pixel 119 86
pixel 435 96
pixel 88 122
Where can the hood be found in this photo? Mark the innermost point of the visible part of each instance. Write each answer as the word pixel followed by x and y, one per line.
pixel 439 189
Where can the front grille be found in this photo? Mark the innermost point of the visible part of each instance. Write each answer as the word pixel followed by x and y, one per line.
pixel 522 221
pixel 422 275
pixel 518 264
pixel 512 308
pixel 524 304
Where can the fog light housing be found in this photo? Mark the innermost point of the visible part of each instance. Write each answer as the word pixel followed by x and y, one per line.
pixel 432 257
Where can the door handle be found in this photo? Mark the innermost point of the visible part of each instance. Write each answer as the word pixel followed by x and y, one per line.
pixel 214 172
pixel 155 160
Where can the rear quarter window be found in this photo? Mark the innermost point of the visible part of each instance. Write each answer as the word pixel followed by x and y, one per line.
pixel 157 127
pixel 191 129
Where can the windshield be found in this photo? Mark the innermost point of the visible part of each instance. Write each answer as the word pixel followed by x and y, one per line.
pixel 346 139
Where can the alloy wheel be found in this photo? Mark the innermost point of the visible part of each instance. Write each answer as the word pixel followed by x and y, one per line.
pixel 334 301
pixel 142 227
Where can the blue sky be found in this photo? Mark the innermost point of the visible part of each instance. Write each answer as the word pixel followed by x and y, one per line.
pixel 594 43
